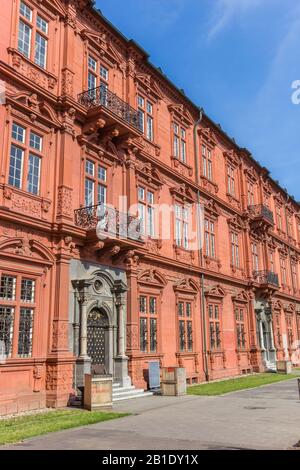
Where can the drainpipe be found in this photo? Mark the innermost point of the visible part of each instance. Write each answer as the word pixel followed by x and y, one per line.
pixel 196 153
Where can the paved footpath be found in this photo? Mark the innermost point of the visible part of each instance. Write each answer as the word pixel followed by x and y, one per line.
pixel 267 417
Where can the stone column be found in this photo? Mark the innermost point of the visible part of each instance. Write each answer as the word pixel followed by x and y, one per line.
pixel 121 360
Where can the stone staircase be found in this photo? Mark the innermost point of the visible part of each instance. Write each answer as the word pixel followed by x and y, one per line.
pixel 126 393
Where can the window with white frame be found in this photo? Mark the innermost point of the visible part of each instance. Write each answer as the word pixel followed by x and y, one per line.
pixel 25 159
pixel 145 117
pixel 207 163
pixel 98 76
pixel 146 212
pixel 33 35
pixel 255 256
pixel 179 142
pixel 95 183
pixel 210 238
pixel 182 226
pixel 231 180
pixel 235 249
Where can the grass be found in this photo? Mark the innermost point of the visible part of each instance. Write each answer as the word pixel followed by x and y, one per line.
pixel 23 427
pixel 241 383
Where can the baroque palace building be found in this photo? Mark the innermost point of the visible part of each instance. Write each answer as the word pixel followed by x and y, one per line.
pixel 86 118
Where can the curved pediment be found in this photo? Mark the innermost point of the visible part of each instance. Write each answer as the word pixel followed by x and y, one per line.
pixel 27 248
pixel 215 291
pixel 152 277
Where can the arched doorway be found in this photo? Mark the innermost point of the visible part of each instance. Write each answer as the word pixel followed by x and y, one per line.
pixel 98 340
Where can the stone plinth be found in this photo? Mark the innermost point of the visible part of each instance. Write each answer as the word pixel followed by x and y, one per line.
pixel 284 367
pixel 97 393
pixel 173 381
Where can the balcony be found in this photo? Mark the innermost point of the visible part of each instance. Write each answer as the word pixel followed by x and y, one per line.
pixel 266 278
pixel 102 103
pixel 109 223
pixel 261 213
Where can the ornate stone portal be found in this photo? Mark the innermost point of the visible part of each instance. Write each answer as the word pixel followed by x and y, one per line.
pixel 99 326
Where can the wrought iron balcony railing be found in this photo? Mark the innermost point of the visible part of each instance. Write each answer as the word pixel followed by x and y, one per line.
pixel 266 277
pixel 109 222
pixel 261 211
pixel 101 96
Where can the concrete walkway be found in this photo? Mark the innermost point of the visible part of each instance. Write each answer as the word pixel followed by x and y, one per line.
pixel 263 418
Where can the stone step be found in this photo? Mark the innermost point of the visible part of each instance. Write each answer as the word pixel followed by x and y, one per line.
pixel 119 388
pixel 127 391
pixel 133 395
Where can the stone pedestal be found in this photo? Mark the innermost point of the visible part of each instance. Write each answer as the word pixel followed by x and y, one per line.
pixel 173 381
pixel 97 393
pixel 82 367
pixel 121 371
pixel 284 367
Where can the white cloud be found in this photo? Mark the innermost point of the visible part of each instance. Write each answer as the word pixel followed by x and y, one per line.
pixel 228 10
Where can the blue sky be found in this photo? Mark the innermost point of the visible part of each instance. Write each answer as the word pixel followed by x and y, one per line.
pixel 237 59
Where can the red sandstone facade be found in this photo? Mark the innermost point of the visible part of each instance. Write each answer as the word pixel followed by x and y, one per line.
pixel 231 308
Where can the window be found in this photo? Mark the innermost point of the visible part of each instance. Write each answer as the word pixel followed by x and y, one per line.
pixel 290 230
pixel 182 226
pixel 17 307
pixel 255 257
pixel 146 211
pixel 98 76
pixel 148 323
pixel 251 199
pixel 271 261
pixel 240 328
pixel 294 276
pixel 210 239
pixel 283 271
pixel 33 35
pixel 278 341
pixel 235 251
pixel 25 159
pixel 289 327
pixel 145 117
pixel 279 218
pixel 298 325
pixel 214 326
pixel 179 142
pixel 95 183
pixel 230 180
pixel 206 163
pixel 185 326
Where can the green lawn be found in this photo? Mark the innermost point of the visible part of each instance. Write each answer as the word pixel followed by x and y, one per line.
pixel 241 383
pixel 24 427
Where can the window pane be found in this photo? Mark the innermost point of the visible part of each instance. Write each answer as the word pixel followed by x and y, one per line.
pixel 36 141
pixel 182 335
pixel 181 309
pixel 143 304
pixel 89 192
pixel 89 167
pixel 152 305
pixel 15 167
pixel 8 288
pixel 103 72
pixel 150 221
pixel 33 178
pixel 143 334
pixel 42 24
pixel 149 107
pixel 141 102
pixel 18 133
pixel 25 11
pixel 40 50
pixel 101 173
pixel 141 193
pixel 6 330
pixel 183 151
pixel 153 334
pixel 27 290
pixel 149 128
pixel 24 39
pixel 150 197
pixel 25 332
pixel 101 194
pixel 141 120
pixel 189 336
pixel 92 64
pixel 188 309
pixel 92 81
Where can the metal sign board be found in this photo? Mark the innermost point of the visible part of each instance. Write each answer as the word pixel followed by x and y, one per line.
pixel 154 375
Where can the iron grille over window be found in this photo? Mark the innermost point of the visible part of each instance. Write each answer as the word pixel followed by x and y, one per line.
pixel 6 330
pixel 25 332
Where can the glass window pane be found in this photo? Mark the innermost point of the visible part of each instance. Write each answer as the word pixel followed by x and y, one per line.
pixel 89 192
pixel 36 141
pixel 143 304
pixel 153 334
pixel 18 133
pixel 8 287
pixel 25 11
pixel 103 72
pixel 141 193
pixel 33 177
pixel 42 24
pixel 15 166
pixel 92 81
pixel 92 64
pixel 27 290
pixel 152 305
pixel 90 167
pixel 25 332
pixel 101 194
pixel 6 330
pixel 101 173
pixel 40 50
pixel 141 102
pixel 24 39
pixel 143 335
